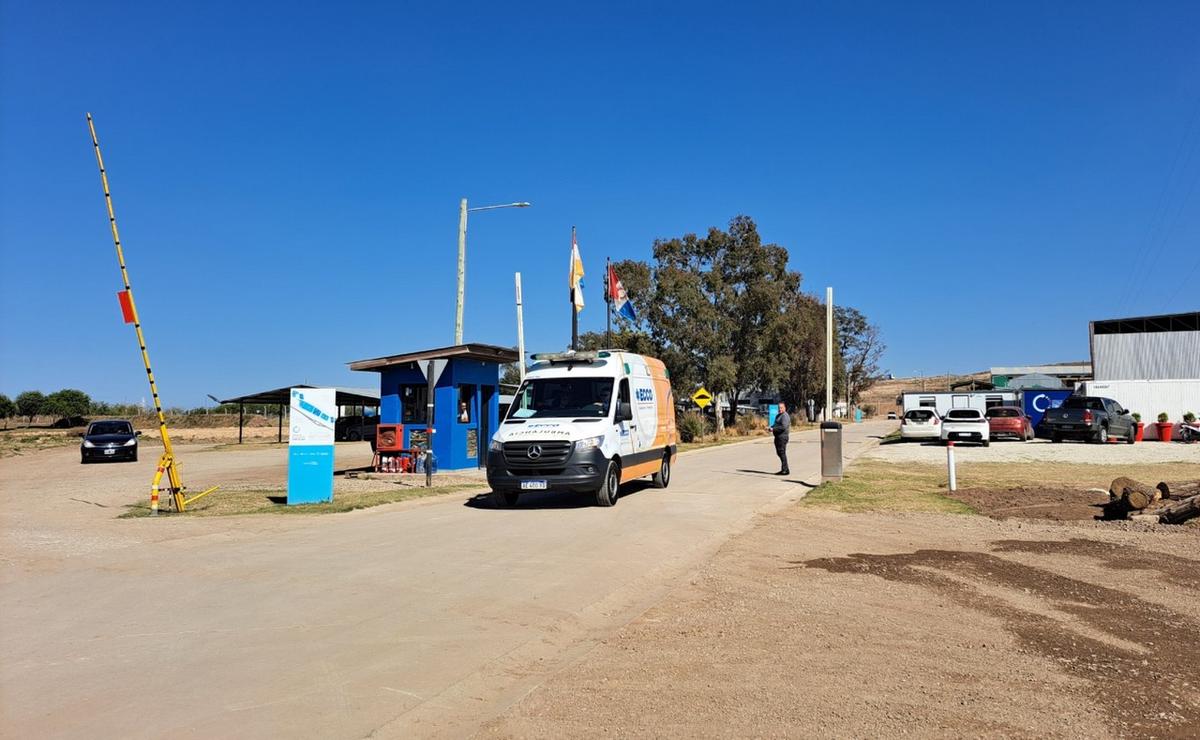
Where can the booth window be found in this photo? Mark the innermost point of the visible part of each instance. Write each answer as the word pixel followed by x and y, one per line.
pixel 466 395
pixel 413 404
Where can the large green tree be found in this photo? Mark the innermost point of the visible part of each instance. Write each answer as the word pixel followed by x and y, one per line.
pixel 67 403
pixel 8 409
pixel 716 303
pixel 861 348
pixel 30 404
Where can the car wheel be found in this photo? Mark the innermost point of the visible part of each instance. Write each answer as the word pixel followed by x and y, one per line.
pixel 83 460
pixel 1056 438
pixel 608 491
pixel 134 458
pixel 504 499
pixel 1132 436
pixel 1102 435
pixel 986 443
pixel 662 478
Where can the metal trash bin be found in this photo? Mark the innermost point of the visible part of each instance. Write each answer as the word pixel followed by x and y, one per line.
pixel 831 450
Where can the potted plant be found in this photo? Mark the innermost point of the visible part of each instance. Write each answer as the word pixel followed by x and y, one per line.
pixel 1164 427
pixel 1141 428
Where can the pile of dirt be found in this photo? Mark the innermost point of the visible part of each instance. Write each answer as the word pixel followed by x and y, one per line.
pixel 1024 502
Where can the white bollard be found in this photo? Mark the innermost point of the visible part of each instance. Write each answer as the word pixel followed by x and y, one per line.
pixel 950 466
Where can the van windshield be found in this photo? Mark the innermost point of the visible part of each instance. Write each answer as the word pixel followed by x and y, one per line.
pixel 543 398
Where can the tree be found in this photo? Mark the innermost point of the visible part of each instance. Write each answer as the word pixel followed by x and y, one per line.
pixel 8 409
pixel 860 347
pixel 716 302
pixel 30 404
pixel 800 339
pixel 67 404
pixel 511 375
pixel 629 340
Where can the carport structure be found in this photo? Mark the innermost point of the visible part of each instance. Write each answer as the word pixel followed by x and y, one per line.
pixel 282 397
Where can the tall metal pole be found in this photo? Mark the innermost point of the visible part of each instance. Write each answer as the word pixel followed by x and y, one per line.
pixel 574 308
pixel 166 463
pixel 828 354
pixel 607 304
pixel 520 330
pixel 462 270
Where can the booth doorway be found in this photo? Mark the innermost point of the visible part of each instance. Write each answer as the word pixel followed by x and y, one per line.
pixel 485 423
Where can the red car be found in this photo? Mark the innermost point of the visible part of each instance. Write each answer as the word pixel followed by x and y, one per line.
pixel 1009 421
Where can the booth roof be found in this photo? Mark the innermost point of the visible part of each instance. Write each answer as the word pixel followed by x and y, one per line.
pixel 483 352
pixel 345 396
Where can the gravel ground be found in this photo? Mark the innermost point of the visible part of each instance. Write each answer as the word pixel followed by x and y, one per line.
pixel 1041 451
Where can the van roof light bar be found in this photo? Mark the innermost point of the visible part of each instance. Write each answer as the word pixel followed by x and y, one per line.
pixel 568 357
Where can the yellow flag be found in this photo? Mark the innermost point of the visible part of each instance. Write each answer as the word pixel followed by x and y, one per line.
pixel 576 274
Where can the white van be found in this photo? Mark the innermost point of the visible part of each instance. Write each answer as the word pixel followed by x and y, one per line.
pixel 585 421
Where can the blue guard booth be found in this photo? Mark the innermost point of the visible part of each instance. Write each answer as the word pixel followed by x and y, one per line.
pixel 466 399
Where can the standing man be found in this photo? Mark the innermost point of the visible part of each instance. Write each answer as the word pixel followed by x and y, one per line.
pixel 781 429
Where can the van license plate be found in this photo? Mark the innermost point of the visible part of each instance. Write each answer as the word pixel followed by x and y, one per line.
pixel 533 485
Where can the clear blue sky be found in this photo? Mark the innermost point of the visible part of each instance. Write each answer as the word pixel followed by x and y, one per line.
pixel 287 175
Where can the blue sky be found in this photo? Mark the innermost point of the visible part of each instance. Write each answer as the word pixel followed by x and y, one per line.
pixel 980 181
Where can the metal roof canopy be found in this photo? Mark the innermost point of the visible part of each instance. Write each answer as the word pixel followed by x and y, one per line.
pixel 1143 324
pixel 470 351
pixel 283 397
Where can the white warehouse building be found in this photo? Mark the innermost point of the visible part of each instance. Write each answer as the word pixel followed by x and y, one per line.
pixel 1149 364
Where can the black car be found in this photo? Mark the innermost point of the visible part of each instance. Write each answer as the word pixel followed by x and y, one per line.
pixel 112 439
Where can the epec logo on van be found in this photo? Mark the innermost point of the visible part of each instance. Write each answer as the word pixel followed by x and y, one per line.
pixel 644 395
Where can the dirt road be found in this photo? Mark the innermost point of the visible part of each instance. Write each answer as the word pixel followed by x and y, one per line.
pixel 416 619
pixel 820 624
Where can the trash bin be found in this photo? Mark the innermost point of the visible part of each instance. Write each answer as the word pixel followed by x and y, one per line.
pixel 831 450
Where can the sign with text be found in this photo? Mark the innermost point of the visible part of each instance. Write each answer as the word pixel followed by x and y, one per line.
pixel 310 445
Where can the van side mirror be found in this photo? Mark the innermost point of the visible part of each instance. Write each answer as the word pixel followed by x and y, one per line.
pixel 624 412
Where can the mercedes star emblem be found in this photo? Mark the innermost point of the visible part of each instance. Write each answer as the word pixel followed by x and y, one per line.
pixel 534 452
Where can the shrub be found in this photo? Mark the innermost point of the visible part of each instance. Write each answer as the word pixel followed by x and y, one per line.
pixel 692 426
pixel 750 424
pixel 868 409
pixel 1163 418
pixel 1137 418
pixel 1189 417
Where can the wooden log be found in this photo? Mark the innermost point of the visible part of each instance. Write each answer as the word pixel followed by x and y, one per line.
pixel 1178 490
pixel 1180 511
pixel 1136 496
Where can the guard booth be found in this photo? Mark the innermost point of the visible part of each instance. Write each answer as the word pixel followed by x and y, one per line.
pixel 464 382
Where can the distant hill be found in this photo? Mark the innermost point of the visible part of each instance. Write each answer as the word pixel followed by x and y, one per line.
pixel 883 394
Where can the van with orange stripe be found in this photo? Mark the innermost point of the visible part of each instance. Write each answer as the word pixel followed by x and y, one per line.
pixel 585 422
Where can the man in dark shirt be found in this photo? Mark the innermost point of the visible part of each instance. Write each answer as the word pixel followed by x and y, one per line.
pixel 781 429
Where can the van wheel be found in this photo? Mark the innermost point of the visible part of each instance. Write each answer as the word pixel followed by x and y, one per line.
pixel 607 495
pixel 662 478
pixel 504 499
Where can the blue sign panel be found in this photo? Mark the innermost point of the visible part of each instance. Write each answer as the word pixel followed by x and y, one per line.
pixel 1036 403
pixel 310 474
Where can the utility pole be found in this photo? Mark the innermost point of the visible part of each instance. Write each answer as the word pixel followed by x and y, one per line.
pixel 462 271
pixel 520 330
pixel 829 354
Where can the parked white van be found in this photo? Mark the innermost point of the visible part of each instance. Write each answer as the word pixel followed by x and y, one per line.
pixel 585 421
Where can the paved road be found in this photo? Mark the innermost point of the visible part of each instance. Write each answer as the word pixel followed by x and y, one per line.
pixel 413 620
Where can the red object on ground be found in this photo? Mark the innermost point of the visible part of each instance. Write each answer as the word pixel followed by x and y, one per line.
pixel 1164 430
pixel 1141 429
pixel 126 305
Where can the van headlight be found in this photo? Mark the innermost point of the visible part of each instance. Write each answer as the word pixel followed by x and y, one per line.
pixel 588 443
pixel 495 446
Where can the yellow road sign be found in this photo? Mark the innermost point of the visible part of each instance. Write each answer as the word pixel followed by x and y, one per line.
pixel 702 397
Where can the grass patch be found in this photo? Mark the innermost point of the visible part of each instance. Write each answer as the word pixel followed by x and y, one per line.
pixel 274 501
pixel 880 486
pixel 20 442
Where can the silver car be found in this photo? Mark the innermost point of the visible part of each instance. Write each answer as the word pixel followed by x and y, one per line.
pixel 920 424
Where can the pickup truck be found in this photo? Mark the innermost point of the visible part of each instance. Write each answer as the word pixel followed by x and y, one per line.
pixel 1090 418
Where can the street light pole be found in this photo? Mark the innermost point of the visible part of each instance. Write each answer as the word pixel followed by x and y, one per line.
pixel 462 258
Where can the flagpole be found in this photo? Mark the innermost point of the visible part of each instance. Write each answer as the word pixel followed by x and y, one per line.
pixel 574 310
pixel 607 303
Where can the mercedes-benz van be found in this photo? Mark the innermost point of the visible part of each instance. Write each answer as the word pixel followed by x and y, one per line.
pixel 585 421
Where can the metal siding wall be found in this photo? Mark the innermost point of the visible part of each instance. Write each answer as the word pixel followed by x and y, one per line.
pixel 1171 355
pixel 1150 397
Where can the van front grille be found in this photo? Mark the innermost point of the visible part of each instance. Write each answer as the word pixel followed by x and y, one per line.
pixel 535 457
